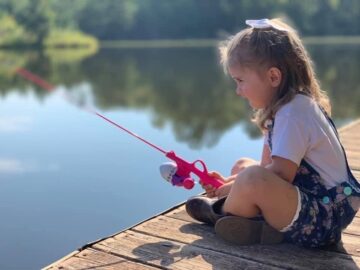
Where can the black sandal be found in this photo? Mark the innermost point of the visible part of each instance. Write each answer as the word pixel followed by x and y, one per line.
pixel 204 209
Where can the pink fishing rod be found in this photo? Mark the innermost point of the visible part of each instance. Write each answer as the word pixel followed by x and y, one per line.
pixel 178 173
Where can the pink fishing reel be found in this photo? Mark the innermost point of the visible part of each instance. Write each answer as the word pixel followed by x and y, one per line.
pixel 168 172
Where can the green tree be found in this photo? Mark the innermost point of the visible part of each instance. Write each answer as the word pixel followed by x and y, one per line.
pixel 66 12
pixel 35 17
pixel 105 19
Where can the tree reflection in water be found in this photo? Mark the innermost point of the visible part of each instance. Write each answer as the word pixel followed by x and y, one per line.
pixel 184 87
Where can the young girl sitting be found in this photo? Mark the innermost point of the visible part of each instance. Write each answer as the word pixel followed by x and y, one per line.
pixel 303 186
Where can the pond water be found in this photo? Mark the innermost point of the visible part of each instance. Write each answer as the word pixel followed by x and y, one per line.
pixel 68 178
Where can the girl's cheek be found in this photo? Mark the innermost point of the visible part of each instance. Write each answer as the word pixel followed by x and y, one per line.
pixel 243 90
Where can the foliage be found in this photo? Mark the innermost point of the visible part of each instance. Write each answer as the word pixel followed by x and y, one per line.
pixel 35 17
pixel 66 12
pixel 70 39
pixel 28 23
pixel 179 19
pixel 159 19
pixel 11 32
pixel 101 18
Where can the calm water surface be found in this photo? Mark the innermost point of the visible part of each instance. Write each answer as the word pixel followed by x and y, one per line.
pixel 68 178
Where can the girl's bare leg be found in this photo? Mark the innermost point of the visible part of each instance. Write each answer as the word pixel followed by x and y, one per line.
pixel 258 190
pixel 241 164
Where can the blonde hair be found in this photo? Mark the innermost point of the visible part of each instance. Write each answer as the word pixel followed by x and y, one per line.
pixel 276 46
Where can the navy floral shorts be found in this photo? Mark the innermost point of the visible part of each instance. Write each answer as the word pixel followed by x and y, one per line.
pixel 323 213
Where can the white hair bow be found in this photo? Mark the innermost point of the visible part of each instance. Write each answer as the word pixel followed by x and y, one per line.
pixel 263 23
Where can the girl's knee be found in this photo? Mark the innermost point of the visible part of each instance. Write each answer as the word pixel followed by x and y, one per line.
pixel 250 180
pixel 241 164
pixel 242 199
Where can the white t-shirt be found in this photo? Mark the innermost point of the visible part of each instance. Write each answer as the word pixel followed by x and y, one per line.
pixel 301 131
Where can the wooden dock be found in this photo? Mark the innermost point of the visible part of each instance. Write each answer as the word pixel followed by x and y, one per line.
pixel 172 240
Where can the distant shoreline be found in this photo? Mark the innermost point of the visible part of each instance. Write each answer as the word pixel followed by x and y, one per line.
pixel 174 43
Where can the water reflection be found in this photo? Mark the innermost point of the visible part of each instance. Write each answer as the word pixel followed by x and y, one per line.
pixel 182 87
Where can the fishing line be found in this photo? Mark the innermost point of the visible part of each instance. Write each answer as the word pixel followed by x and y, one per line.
pixel 178 173
pixel 50 88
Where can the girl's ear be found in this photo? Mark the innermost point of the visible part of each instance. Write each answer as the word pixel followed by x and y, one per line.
pixel 275 76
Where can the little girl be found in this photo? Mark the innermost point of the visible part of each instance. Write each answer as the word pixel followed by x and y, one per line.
pixel 303 186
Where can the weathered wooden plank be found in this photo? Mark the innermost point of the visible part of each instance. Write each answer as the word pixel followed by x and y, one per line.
pixel 350 128
pixel 356 173
pixel 352 151
pixel 50 266
pixel 73 263
pixel 94 259
pixel 353 161
pixel 172 254
pixel 351 147
pixel 354 157
pixel 350 144
pixel 350 139
pixel 351 245
pixel 354 165
pixel 284 255
pixel 349 135
pixel 349 131
pixel 110 260
pixel 180 213
pixel 354 227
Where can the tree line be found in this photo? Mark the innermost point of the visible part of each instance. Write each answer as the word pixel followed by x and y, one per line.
pixel 178 19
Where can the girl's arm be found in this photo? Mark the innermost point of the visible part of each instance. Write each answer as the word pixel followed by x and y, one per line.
pixel 284 168
pixel 265 160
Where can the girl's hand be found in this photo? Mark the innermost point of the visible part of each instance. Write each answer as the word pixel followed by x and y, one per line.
pixel 224 190
pixel 210 190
